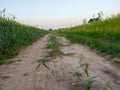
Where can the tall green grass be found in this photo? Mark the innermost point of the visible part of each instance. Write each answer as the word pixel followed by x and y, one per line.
pixel 14 36
pixel 104 36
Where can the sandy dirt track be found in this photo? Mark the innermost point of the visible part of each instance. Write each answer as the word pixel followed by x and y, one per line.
pixel 22 75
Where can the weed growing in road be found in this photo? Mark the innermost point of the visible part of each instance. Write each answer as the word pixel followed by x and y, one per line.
pixel 43 62
pixel 88 83
pixel 78 76
pixel 54 41
pixel 54 44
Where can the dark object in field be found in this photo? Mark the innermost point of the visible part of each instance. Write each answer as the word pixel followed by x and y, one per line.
pixel 92 20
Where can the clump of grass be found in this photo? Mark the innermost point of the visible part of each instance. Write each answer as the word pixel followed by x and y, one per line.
pixel 54 53
pixel 54 41
pixel 78 76
pixel 54 44
pixel 14 36
pixel 88 83
pixel 43 62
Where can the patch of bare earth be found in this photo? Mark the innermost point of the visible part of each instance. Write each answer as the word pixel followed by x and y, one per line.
pixel 22 75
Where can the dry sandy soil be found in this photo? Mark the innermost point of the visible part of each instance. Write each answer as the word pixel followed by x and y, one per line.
pixel 22 75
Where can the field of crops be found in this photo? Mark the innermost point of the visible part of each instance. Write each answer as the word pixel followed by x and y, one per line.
pixel 14 36
pixel 104 36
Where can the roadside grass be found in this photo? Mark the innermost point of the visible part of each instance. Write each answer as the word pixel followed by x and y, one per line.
pixel 104 36
pixel 14 36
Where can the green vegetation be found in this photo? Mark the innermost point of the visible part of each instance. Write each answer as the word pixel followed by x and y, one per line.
pixel 43 62
pixel 14 36
pixel 104 36
pixel 54 44
pixel 89 81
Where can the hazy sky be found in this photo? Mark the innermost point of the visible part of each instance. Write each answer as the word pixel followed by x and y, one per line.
pixel 58 13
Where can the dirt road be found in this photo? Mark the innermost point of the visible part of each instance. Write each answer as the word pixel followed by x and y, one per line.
pixel 22 75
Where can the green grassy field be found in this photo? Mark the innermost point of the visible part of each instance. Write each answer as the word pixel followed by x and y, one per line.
pixel 14 36
pixel 104 36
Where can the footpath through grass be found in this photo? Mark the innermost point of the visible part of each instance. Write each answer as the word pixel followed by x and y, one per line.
pixel 104 36
pixel 14 36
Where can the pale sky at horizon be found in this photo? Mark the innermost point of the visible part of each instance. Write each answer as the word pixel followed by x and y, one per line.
pixel 58 13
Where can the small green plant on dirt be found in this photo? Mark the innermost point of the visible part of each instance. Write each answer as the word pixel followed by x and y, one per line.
pixel 78 76
pixel 86 69
pixel 54 44
pixel 54 41
pixel 43 62
pixel 55 52
pixel 88 84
